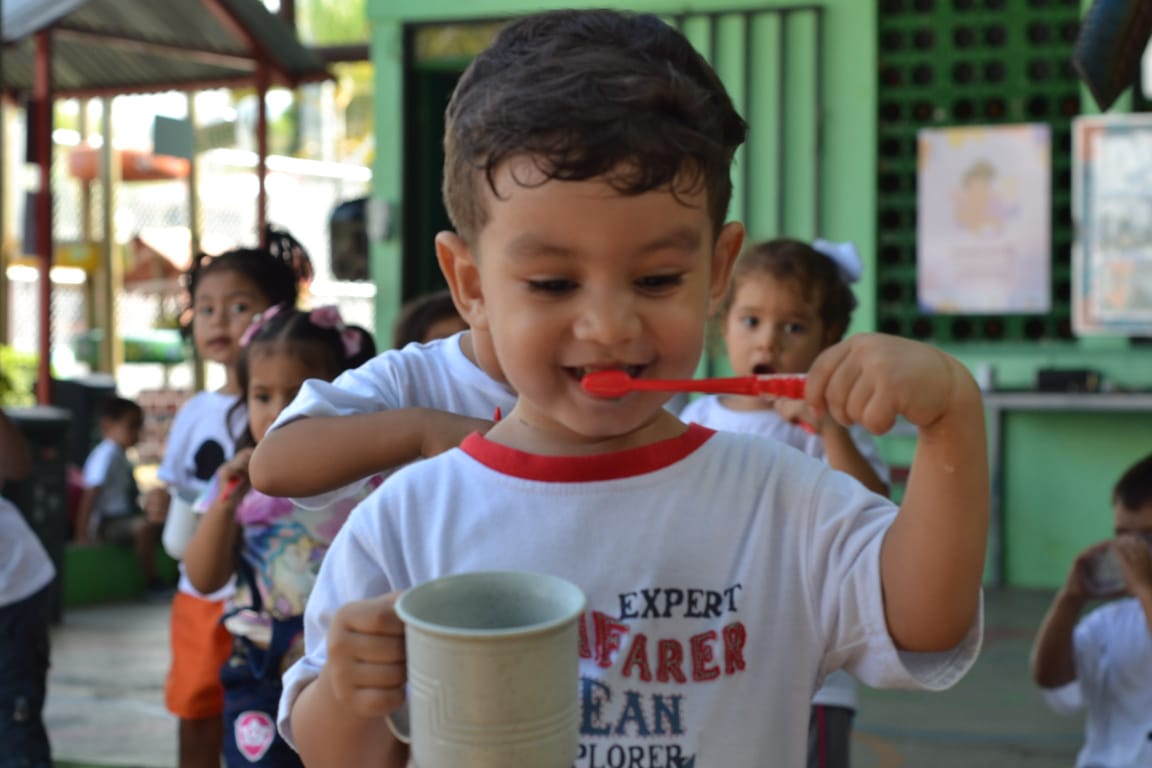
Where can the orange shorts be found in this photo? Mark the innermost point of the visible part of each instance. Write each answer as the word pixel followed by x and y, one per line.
pixel 200 646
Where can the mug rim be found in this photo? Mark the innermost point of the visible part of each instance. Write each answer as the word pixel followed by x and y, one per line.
pixel 570 591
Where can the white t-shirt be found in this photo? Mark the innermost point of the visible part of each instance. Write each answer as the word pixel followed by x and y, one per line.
pixel 725 576
pixel 432 375
pixel 200 440
pixel 712 413
pixel 25 567
pixel 839 689
pixel 203 436
pixel 1113 654
pixel 108 468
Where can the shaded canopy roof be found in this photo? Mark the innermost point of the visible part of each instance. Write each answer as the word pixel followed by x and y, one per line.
pixel 108 47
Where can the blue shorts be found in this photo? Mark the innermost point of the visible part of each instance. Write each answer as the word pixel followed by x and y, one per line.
pixel 24 682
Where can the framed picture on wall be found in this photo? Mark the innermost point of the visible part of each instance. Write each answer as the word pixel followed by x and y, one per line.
pixel 1112 213
pixel 983 219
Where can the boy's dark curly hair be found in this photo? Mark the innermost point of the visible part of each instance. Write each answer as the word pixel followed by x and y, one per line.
pixel 587 94
pixel 1134 488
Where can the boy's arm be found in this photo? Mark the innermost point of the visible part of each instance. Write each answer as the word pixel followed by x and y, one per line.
pixel 354 447
pixel 15 461
pixel 1053 659
pixel 84 513
pixel 1053 654
pixel 932 558
pixel 841 452
pixel 340 719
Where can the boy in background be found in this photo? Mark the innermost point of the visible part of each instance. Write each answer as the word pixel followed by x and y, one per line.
pixel 587 173
pixel 1102 662
pixel 109 509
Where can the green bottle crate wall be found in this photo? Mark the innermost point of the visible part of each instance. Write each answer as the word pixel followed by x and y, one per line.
pixel 970 62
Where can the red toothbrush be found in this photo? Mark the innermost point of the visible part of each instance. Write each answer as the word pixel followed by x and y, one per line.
pixel 614 383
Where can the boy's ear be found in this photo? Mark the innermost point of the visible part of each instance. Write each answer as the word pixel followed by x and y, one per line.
pixel 459 268
pixel 728 245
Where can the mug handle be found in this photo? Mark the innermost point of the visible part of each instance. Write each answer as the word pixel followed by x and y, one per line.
pixel 398 724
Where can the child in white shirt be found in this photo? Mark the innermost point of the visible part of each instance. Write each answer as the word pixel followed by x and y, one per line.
pixel 587 174
pixel 787 302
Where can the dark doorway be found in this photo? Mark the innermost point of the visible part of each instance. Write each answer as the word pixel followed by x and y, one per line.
pixel 424 214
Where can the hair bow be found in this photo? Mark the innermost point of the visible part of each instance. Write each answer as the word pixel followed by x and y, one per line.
pixel 259 320
pixel 845 255
pixel 329 317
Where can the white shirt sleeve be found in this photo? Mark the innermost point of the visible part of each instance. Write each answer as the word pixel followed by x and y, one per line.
pixel 97 464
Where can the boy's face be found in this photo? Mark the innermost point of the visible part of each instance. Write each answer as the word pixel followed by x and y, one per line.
pixel 772 327
pixel 124 431
pixel 570 277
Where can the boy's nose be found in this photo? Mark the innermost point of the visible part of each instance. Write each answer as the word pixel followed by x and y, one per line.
pixel 608 320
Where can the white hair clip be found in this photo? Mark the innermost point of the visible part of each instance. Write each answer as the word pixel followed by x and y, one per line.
pixel 845 256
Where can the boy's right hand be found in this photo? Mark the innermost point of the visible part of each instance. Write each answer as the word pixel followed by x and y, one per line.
pixel 1078 584
pixel 367 666
pixel 444 431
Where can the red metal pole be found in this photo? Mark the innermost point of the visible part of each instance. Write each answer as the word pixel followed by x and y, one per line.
pixel 42 124
pixel 261 150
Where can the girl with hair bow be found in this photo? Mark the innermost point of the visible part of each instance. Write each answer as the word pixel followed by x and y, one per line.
pixel 272 545
pixel 786 303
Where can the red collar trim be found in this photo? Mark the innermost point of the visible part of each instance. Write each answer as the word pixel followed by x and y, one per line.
pixel 584 469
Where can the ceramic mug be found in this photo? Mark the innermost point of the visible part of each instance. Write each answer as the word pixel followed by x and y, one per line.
pixel 492 670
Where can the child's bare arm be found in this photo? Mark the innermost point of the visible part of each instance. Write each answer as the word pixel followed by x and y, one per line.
pixel 354 447
pixel 840 449
pixel 84 513
pixel 1053 660
pixel 841 453
pixel 340 718
pixel 932 561
pixel 209 559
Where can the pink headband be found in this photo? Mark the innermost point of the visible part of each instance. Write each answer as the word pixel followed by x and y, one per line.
pixel 259 320
pixel 329 317
pixel 322 317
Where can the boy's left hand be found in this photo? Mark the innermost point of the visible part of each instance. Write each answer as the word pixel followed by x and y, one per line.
pixel 871 378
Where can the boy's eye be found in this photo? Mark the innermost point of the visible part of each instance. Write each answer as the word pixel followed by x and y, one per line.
pixel 794 328
pixel 241 308
pixel 261 397
pixel 552 286
pixel 657 283
pixel 750 322
pixel 204 310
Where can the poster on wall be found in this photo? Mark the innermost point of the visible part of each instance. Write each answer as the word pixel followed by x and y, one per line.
pixel 983 221
pixel 1112 210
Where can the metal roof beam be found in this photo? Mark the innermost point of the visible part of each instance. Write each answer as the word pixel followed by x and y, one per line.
pixel 152 47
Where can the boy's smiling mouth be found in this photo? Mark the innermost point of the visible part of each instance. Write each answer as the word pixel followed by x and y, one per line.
pixel 578 373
